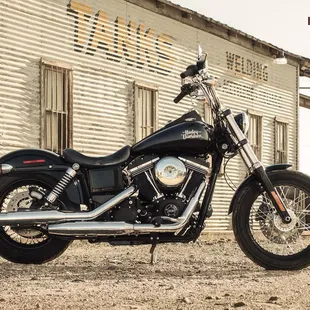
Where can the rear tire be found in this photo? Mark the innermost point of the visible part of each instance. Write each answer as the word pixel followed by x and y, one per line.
pixel 245 233
pixel 34 255
pixel 47 248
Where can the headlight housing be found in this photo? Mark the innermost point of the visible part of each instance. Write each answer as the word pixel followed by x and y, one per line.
pixel 243 122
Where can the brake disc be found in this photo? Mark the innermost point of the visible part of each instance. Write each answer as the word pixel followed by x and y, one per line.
pixel 275 230
pixel 18 201
pixel 22 200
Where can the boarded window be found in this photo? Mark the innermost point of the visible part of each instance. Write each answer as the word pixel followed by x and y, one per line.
pixel 255 133
pixel 56 107
pixel 146 110
pixel 281 141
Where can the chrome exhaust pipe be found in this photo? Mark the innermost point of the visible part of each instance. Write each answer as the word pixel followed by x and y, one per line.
pixel 97 229
pixel 45 217
pixel 90 229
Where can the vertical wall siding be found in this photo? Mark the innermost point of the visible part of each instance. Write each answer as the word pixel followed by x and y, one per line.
pixel 112 44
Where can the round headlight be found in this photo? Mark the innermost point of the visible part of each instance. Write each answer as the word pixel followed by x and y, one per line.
pixel 243 122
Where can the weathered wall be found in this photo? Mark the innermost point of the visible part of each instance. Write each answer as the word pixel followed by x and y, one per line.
pixel 111 44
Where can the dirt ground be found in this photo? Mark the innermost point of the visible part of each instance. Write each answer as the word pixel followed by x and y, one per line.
pixel 211 274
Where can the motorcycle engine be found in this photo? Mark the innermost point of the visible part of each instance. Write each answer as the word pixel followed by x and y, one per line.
pixel 165 187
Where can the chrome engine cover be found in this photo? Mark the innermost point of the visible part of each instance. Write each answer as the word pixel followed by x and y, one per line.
pixel 170 171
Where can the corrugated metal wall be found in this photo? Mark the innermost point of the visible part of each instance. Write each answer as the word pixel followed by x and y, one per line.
pixel 111 44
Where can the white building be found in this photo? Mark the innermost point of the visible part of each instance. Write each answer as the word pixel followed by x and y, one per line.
pixel 96 75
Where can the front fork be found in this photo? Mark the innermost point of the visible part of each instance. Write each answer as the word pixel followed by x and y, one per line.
pixel 255 166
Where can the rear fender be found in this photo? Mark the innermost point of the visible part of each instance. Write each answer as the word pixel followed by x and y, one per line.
pixel 252 178
pixel 34 161
pixel 26 158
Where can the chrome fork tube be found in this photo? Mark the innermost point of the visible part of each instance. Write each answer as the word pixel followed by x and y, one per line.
pixel 245 150
pixel 245 158
pixel 255 165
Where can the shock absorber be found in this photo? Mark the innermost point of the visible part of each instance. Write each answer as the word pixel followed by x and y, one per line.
pixel 63 183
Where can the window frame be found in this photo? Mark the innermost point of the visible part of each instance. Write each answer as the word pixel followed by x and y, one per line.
pixel 140 85
pixel 279 120
pixel 44 65
pixel 259 117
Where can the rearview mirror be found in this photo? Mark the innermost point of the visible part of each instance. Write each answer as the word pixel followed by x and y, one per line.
pixel 199 52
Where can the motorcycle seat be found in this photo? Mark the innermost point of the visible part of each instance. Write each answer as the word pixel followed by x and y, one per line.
pixel 71 156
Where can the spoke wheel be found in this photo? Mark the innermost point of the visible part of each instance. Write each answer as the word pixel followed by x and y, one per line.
pixel 268 229
pixel 28 244
pixel 259 229
pixel 16 200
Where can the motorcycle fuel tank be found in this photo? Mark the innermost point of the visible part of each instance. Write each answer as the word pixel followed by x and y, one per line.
pixel 192 137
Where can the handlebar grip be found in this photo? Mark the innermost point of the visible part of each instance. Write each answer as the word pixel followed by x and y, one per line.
pixel 190 71
pixel 186 89
pixel 179 97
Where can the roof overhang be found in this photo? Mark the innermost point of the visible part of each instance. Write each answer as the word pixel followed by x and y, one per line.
pixel 305 68
pixel 304 101
pixel 204 23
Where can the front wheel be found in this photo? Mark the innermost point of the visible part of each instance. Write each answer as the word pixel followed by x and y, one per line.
pixel 259 230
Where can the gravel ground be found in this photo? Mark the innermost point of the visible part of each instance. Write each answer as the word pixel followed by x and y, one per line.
pixel 210 274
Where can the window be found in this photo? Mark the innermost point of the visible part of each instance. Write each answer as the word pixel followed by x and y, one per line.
pixel 146 110
pixel 281 141
pixel 56 107
pixel 255 132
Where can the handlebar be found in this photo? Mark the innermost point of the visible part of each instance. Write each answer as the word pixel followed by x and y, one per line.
pixel 190 71
pixel 203 81
pixel 186 89
pixel 179 97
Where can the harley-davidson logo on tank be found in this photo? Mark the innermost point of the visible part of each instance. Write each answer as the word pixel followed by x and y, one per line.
pixel 191 134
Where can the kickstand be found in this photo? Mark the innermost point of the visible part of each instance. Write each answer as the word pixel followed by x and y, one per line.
pixel 153 254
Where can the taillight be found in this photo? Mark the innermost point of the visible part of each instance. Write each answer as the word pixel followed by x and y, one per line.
pixel 34 161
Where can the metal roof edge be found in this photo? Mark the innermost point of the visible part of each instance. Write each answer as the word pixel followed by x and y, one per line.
pixel 304 101
pixel 304 96
pixel 204 23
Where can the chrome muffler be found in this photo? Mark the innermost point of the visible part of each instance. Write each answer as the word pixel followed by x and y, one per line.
pixel 97 229
pixel 46 217
pixel 90 229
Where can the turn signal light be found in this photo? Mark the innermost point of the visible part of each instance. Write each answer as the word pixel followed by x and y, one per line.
pixel 5 168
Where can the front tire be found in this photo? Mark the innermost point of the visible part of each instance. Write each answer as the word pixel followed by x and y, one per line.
pixel 27 245
pixel 261 234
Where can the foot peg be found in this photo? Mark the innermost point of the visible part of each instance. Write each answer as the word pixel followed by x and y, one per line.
pixel 157 221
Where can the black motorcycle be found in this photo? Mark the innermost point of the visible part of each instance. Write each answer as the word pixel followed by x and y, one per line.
pixel 156 191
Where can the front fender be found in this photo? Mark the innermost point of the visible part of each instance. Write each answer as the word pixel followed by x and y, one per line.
pixel 252 178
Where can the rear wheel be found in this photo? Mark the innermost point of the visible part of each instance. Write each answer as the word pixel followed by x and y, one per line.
pixel 28 245
pixel 259 230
